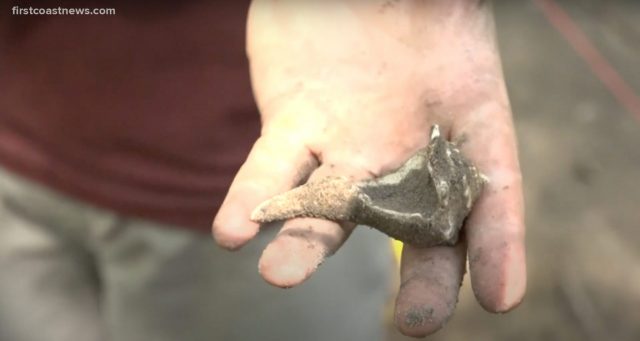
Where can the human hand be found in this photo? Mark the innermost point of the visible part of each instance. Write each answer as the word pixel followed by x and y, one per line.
pixel 351 88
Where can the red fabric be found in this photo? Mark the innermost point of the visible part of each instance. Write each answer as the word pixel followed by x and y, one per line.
pixel 148 112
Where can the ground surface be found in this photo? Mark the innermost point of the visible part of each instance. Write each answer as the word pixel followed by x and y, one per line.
pixel 580 154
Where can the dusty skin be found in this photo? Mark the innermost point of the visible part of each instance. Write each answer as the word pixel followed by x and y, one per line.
pixel 423 203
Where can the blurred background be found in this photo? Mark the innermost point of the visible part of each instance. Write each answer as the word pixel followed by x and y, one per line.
pixel 573 73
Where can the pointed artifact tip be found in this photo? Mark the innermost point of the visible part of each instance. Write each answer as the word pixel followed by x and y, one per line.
pixel 435 132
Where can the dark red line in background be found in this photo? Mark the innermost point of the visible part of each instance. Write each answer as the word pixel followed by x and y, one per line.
pixel 598 64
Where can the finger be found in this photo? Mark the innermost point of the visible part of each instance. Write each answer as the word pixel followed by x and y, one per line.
pixel 274 166
pixel 299 249
pixel 304 243
pixel 495 228
pixel 430 280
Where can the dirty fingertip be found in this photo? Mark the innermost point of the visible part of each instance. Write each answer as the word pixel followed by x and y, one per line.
pixel 430 281
pixel 498 277
pixel 288 261
pixel 422 309
pixel 232 229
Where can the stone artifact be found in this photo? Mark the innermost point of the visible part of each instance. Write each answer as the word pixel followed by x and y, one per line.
pixel 423 203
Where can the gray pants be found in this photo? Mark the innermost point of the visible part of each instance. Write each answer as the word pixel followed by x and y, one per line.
pixel 70 271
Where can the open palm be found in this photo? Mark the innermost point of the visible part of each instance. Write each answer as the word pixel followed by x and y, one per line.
pixel 351 88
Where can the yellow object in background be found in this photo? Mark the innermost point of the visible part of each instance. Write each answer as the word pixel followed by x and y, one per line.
pixel 396 245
